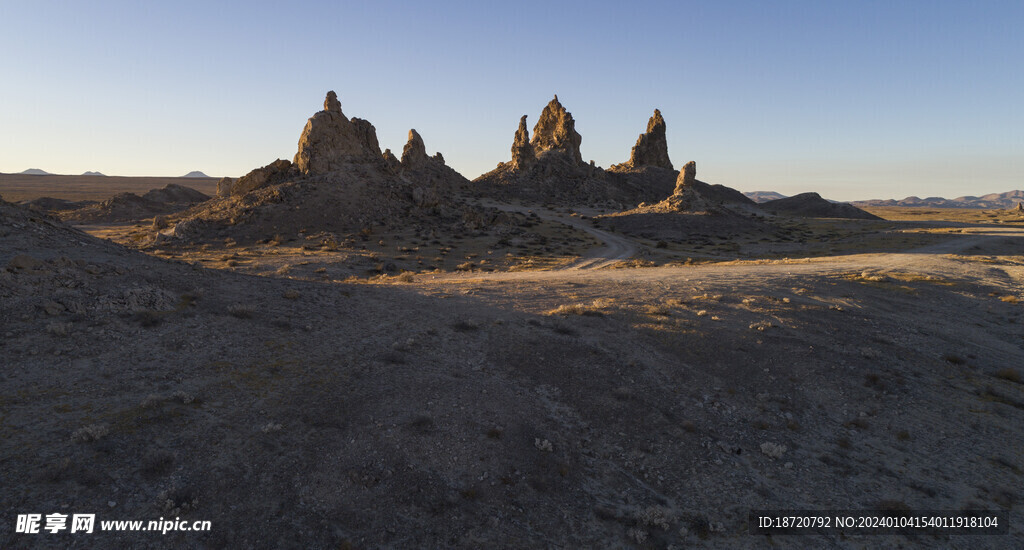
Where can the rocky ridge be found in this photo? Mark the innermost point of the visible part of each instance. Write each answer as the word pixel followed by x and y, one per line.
pixel 338 181
pixel 131 207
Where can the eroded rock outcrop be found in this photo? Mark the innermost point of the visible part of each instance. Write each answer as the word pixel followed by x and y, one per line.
pixel 651 148
pixel 415 152
pixel 523 156
pixel 687 176
pixel 556 132
pixel 687 196
pixel 391 161
pixel 224 187
pixel 330 141
pixel 276 172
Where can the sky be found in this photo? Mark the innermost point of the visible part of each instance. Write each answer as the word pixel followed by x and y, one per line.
pixel 854 100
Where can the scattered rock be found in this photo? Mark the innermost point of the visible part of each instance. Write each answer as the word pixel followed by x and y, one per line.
pixel 774 450
pixel 23 262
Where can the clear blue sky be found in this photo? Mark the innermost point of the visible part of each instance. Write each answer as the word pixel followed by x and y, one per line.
pixel 857 99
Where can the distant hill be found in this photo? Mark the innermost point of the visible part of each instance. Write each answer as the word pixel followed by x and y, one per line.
pixel 764 196
pixel 812 205
pixel 93 174
pixel 195 174
pixel 1005 200
pixel 35 172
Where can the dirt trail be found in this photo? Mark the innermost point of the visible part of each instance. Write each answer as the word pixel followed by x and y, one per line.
pixel 616 248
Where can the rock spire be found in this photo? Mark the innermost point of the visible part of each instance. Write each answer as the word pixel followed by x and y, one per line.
pixel 330 140
pixel 556 131
pixel 415 152
pixel 651 148
pixel 522 151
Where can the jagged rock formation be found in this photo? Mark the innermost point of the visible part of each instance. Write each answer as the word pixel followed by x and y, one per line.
pixel 415 152
pixel 812 205
pixel 549 166
pixel 686 196
pixel 555 132
pixel 523 156
pixel 275 172
pixel 695 210
pixel 391 161
pixel 1020 207
pixel 339 182
pixel 687 176
pixel 651 148
pixel 694 196
pixel 330 141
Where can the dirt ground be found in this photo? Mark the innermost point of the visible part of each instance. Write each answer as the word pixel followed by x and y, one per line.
pixel 610 392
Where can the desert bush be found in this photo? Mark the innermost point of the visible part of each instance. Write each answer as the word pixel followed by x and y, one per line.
pixel 1009 374
pixel 241 311
pixel 59 329
pixel 92 432
pixel 593 309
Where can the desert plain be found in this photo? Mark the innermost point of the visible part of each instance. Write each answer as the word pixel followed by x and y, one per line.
pixel 551 356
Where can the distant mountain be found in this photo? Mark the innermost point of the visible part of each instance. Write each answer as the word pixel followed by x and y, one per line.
pixel 93 174
pixel 764 196
pixel 195 174
pixel 1005 200
pixel 35 172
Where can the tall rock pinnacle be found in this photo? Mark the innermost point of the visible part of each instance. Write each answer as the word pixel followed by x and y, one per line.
pixel 415 152
pixel 556 131
pixel 329 140
pixel 651 148
pixel 522 152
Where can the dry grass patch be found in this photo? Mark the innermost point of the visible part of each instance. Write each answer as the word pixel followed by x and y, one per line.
pixel 597 308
